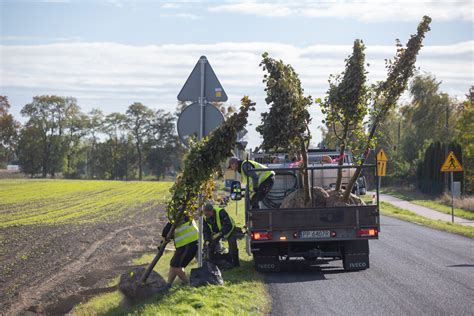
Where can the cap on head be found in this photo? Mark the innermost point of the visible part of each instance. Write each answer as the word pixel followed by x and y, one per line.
pixel 231 161
pixel 209 206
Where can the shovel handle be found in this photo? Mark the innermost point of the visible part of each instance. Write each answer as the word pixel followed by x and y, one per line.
pixel 161 250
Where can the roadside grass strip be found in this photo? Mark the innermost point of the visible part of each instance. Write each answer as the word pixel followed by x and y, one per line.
pixel 33 202
pixel 243 293
pixel 422 200
pixel 390 210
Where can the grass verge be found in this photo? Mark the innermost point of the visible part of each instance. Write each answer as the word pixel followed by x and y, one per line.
pixel 427 201
pixel 390 210
pixel 244 291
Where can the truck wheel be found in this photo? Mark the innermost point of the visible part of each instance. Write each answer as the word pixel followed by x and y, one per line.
pixel 356 255
pixel 266 263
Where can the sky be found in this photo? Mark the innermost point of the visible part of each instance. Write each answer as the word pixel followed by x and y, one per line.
pixel 110 54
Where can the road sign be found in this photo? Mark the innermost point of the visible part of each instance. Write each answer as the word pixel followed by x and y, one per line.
pixel 189 124
pixel 451 164
pixel 381 163
pixel 381 155
pixel 202 79
pixel 241 133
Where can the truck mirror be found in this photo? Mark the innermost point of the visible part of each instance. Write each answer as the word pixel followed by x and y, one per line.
pixel 235 191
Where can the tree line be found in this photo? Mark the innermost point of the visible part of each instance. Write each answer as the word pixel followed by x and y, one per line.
pixel 59 138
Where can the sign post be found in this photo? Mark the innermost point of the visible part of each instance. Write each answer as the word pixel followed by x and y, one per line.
pixel 451 164
pixel 381 160
pixel 201 87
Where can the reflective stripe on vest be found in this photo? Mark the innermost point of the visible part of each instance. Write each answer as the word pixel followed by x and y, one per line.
pixel 219 224
pixel 185 233
pixel 262 175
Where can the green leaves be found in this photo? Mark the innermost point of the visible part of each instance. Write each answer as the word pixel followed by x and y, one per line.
pixel 202 161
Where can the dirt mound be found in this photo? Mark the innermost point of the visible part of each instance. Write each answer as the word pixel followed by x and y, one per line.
pixel 131 286
pixel 321 198
pixel 296 199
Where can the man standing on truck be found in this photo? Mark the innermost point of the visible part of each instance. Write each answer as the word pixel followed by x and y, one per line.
pixel 262 181
pixel 219 225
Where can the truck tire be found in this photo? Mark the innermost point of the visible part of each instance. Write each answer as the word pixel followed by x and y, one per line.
pixel 356 255
pixel 266 263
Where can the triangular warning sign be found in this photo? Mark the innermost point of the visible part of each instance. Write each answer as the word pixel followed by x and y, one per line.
pixel 213 91
pixel 451 164
pixel 381 156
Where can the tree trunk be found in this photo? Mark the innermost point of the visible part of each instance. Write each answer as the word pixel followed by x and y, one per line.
pixel 306 185
pixel 358 171
pixel 341 158
pixel 340 163
pixel 139 162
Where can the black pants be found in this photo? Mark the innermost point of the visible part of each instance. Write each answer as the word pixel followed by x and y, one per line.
pixel 261 192
pixel 233 250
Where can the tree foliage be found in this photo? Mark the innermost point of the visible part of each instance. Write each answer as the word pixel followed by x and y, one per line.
pixel 345 105
pixel 202 161
pixel 285 127
pixel 8 131
pixel 387 92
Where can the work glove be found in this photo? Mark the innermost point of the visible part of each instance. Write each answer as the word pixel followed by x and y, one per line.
pixel 252 194
pixel 216 236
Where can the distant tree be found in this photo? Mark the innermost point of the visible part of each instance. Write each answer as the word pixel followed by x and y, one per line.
pixel 426 116
pixel 112 151
pixel 94 126
pixel 138 123
pixel 345 105
pixel 286 126
pixel 49 116
pixel 30 150
pixel 387 92
pixel 465 135
pixel 8 131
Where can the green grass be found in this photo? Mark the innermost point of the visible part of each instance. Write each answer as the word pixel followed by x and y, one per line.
pixel 427 201
pixel 390 210
pixel 30 202
pixel 243 292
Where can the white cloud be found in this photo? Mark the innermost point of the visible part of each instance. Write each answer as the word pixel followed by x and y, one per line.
pixel 170 5
pixel 114 75
pixel 186 16
pixel 367 11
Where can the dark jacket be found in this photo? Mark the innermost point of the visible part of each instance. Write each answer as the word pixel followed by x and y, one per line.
pixel 225 222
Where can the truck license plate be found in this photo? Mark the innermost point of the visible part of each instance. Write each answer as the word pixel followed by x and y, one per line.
pixel 315 234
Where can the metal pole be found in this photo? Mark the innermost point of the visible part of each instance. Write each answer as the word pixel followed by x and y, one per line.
pixel 452 199
pixel 201 136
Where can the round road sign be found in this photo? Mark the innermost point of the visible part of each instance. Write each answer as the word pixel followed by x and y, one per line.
pixel 189 121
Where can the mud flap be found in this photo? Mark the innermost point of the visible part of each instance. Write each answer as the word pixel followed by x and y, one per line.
pixel 266 263
pixel 356 255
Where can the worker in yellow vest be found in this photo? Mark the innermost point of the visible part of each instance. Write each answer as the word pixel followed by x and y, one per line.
pixel 262 181
pixel 219 225
pixel 185 238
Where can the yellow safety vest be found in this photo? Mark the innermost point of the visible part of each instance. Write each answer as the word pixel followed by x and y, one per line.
pixel 262 175
pixel 219 224
pixel 185 233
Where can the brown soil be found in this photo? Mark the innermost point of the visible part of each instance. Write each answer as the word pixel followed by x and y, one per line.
pixel 49 269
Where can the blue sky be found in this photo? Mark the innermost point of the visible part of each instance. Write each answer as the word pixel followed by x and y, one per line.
pixel 110 54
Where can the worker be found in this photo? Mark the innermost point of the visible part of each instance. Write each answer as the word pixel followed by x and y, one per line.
pixel 219 225
pixel 185 237
pixel 262 181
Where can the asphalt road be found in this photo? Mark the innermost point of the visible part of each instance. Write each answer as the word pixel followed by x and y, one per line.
pixel 414 270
